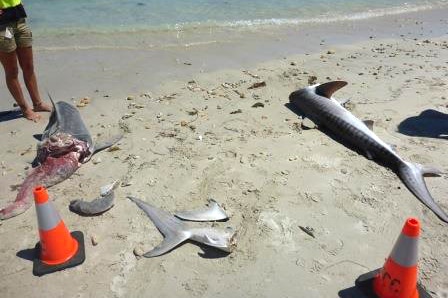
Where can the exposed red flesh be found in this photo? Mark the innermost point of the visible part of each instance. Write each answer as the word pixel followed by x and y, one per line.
pixel 51 172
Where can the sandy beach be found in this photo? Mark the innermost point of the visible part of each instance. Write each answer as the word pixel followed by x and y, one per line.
pixel 194 130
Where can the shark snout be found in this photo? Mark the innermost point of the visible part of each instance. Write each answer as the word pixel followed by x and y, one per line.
pixel 295 96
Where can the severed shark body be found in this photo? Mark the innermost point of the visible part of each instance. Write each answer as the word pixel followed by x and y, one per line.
pixel 65 145
pixel 316 103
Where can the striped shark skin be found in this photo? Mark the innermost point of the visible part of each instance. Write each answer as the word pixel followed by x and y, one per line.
pixel 316 103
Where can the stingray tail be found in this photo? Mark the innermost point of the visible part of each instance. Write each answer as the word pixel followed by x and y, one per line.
pixel 412 176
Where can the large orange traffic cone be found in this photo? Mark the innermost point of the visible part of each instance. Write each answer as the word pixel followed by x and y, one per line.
pixel 58 249
pixel 398 277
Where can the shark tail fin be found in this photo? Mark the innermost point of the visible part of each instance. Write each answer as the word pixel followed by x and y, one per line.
pixel 173 230
pixel 168 243
pixel 412 176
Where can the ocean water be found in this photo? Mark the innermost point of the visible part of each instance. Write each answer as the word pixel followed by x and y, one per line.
pixel 74 16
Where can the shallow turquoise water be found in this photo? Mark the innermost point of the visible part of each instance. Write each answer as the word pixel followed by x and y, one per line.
pixel 131 15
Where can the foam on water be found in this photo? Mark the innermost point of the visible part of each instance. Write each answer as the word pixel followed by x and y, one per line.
pixel 69 16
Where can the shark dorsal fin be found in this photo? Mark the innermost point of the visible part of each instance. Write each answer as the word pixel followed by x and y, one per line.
pixel 369 124
pixel 174 231
pixel 327 89
pixel 53 124
pixel 51 100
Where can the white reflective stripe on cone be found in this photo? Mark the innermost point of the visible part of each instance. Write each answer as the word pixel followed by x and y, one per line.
pixel 405 251
pixel 47 216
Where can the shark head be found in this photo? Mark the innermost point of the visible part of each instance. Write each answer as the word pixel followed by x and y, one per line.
pixel 310 96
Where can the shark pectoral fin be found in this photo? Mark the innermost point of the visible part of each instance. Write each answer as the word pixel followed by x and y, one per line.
pixel 101 145
pixel 308 124
pixel 369 123
pixel 166 245
pixel 327 89
pixel 430 171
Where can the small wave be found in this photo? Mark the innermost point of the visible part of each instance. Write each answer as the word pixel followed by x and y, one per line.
pixel 373 13
pixel 124 47
pixel 212 25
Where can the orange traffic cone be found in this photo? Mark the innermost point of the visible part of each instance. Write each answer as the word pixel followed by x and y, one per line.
pixel 58 249
pixel 398 277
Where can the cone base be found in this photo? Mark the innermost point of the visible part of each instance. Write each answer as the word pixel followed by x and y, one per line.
pixel 365 284
pixel 40 268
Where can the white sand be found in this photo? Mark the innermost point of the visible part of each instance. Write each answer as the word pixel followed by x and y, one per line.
pixel 270 177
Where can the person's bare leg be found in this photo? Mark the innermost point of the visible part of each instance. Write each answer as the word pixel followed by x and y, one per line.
pixel 25 57
pixel 9 62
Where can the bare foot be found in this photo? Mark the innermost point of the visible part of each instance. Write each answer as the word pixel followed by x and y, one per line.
pixel 42 107
pixel 30 115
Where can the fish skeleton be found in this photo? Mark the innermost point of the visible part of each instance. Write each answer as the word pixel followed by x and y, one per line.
pixel 65 145
pixel 176 231
pixel 316 103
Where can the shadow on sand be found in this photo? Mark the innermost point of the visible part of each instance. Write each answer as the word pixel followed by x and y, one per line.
pixel 429 124
pixel 352 292
pixel 27 254
pixel 10 115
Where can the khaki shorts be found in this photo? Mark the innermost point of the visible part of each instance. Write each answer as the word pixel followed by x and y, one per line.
pixel 15 35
